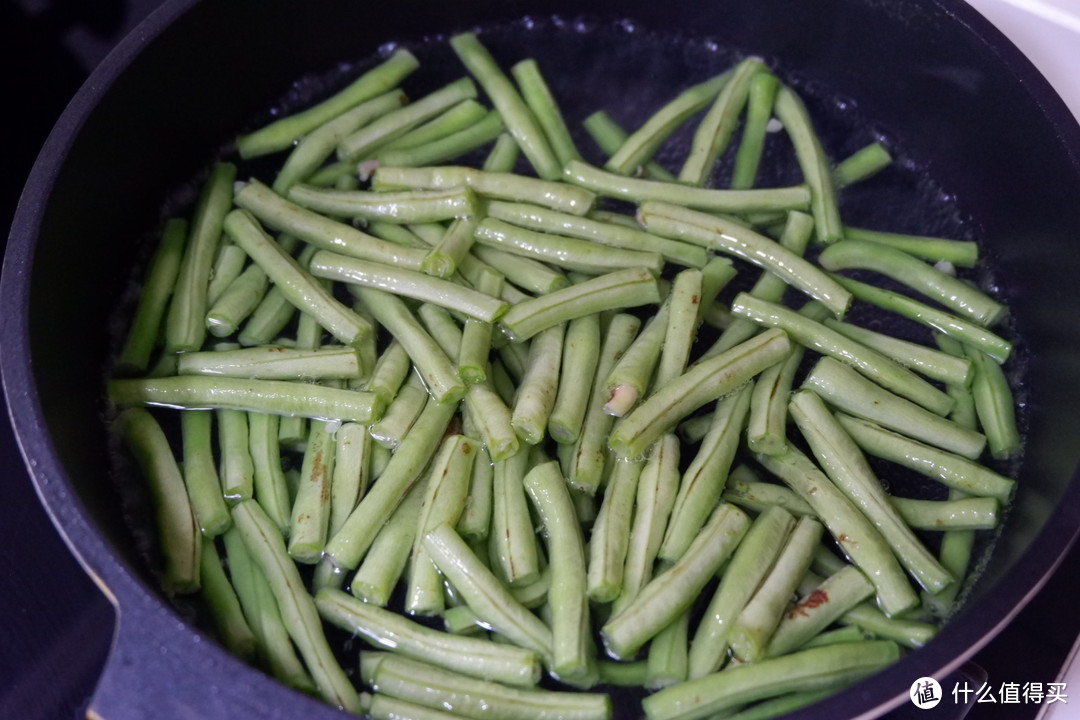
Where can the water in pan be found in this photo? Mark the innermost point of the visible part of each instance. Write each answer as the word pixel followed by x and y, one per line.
pixel 630 71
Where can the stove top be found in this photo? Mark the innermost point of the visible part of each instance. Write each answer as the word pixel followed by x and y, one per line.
pixel 56 625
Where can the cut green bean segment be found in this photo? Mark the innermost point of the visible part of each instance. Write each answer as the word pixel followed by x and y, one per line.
pixel 925 360
pixel 610 136
pixel 909 633
pixel 819 608
pixel 763 87
pixel 238 301
pixel 493 419
pixel 758 496
pixel 400 414
pixel 475 520
pixel 391 370
pixel 274 363
pixel 450 147
pixel 619 289
pixel 668 660
pixel 157 288
pixel 646 140
pixel 403 206
pixel 185 327
pixel 629 380
pixel 385 561
pixel 237 470
pixel 847 390
pixel 352 472
pixel 503 156
pixel 465 114
pixel 978 513
pixel 536 394
pixel 179 537
pixel 946 323
pixel 348 546
pixel 310 517
pixel 469 656
pixel 267 396
pixel 607 184
pixel 717 127
pixel 871 363
pixel 955 294
pixel 430 360
pixel 394 124
pixel 519 119
pixel 325 233
pixel 994 405
pixel 268 319
pixel 526 273
pixel 271 490
pixel 961 253
pixel 753 629
pixel 220 598
pixel 849 633
pixel 718 234
pixel 684 300
pixel 750 564
pixel 622 674
pixel 227 267
pixel 297 607
pixel 610 535
pixel 953 470
pixel 767 425
pixel 846 466
pixel 860 165
pixel 318 145
pixel 581 350
pixel 702 383
pixel 284 133
pixel 673 591
pixel 806 670
pixel 816 168
pixel 443 259
pixel 858 538
pixel 200 473
pixel 512 548
pixel 539 98
pixel 572 653
pixel 705 478
pixel 475 348
pixel 433 687
pixel 501 186
pixel 384 707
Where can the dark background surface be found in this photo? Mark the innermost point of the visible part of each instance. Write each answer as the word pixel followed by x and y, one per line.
pixel 55 625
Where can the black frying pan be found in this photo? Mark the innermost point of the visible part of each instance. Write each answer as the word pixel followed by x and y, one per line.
pixel 988 151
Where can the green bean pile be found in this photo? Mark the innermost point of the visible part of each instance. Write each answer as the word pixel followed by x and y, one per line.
pixel 532 429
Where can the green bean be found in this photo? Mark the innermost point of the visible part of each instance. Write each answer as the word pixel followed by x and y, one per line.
pixel 396 123
pixel 927 361
pixel 391 370
pixel 385 561
pixel 433 687
pixel 430 360
pixel 532 275
pixel 178 534
pixel 503 156
pixel 618 289
pixel 684 301
pixel 519 119
pixel 994 405
pixel 184 323
pixel 228 265
pixel 909 633
pixel 400 414
pixel 754 628
pixel 583 175
pixel 297 608
pixel 763 87
pixel 220 598
pixel 493 419
pixel 629 379
pixel 513 550
pixel 237 470
pixel 759 496
pixel 501 186
pixel 723 236
pixel 948 468
pixel 284 133
pixel 465 114
pixel 443 259
pixel 845 464
pixel 806 670
pixel 310 517
pixel 817 172
pixel 542 103
pixel 239 300
pixel 315 147
pixel 715 130
pixel 668 660
pixel 269 480
pixel 610 534
pixel 954 294
pixel 705 477
pixel 274 363
pixel 153 300
pixel 200 473
pixel 384 707
pixel 749 565
pixel 444 500
pixel 849 633
pixel 958 252
pixel 818 608
pixel 708 380
pixel 622 674
pixel 450 147
pixel 868 362
pixel 656 491
pixel 980 513
pixel 946 323
pixel 352 472
pixel 860 165
pixel 572 660
pixel 849 391
pixel 673 591
pixel 500 376
pixel 581 348
pixel 475 348
pixel 475 520
pixel 349 544
pixel 402 206
pixel 610 136
pixel 858 538
pixel 267 319
pixel 644 142
pixel 589 452
pixel 536 393
pixel 277 213
pixel 766 430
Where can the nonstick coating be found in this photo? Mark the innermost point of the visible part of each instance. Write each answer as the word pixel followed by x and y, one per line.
pixel 988 151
